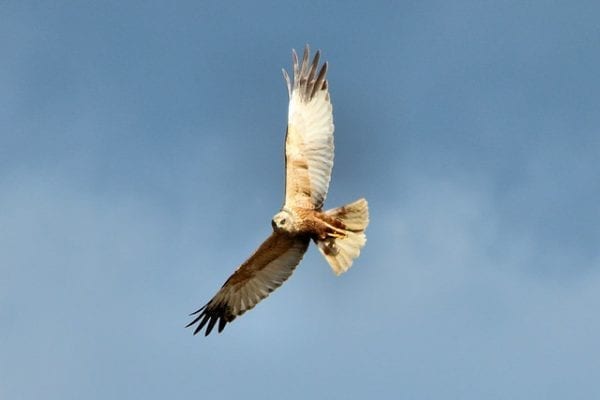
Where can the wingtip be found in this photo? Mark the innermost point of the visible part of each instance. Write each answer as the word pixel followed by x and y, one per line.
pixel 222 323
pixel 208 318
pixel 198 310
pixel 211 325
pixel 288 83
pixel 190 324
pixel 308 78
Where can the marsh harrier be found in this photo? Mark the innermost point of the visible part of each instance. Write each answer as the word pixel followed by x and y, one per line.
pixel 339 233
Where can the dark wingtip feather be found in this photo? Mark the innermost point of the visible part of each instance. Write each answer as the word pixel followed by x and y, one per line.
pixel 211 325
pixel 320 82
pixel 306 79
pixel 191 323
pixel 313 69
pixel 209 316
pixel 197 311
pixel 222 323
pixel 202 323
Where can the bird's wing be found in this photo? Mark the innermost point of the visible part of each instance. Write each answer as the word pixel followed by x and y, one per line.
pixel 263 272
pixel 309 137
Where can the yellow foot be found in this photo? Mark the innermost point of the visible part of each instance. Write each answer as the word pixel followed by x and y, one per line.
pixel 336 234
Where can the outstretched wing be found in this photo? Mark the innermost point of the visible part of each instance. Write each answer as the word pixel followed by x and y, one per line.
pixel 309 138
pixel 263 272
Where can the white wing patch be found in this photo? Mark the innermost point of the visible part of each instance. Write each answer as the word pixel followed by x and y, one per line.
pixel 309 141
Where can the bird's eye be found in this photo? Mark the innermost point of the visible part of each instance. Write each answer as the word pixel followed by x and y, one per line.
pixel 283 221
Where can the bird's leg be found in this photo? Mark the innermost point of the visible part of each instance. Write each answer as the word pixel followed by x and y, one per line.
pixel 336 232
pixel 328 230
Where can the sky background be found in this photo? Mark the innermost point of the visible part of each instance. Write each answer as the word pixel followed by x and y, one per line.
pixel 141 161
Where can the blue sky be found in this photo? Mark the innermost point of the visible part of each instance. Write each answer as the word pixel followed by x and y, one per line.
pixel 141 162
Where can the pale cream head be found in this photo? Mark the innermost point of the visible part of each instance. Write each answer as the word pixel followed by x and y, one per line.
pixel 283 221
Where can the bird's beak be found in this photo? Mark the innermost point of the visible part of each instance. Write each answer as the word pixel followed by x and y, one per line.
pixel 273 224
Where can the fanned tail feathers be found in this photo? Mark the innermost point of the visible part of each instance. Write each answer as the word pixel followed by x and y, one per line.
pixel 344 244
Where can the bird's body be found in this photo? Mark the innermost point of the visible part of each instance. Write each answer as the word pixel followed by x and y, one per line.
pixel 338 233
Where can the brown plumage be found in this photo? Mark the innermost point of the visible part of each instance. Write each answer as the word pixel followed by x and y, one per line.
pixel 338 233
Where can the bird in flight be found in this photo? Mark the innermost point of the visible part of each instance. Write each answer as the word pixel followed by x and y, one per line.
pixel 339 233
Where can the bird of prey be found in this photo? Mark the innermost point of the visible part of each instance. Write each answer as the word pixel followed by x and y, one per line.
pixel 339 233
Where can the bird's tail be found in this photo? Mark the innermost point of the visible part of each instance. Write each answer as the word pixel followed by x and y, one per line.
pixel 347 236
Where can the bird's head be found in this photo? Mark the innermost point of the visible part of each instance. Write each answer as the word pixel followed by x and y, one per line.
pixel 283 221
